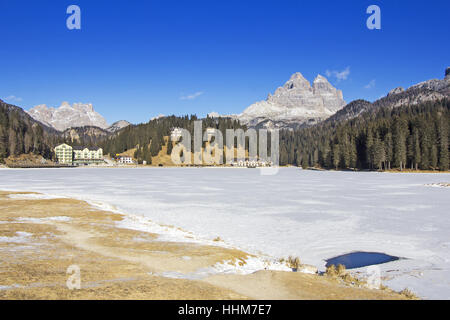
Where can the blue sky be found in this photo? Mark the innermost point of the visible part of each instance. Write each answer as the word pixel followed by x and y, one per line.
pixel 136 59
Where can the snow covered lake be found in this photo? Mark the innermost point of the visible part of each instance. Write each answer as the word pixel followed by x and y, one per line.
pixel 310 214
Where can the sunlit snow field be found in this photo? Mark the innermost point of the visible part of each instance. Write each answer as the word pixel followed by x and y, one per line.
pixel 311 214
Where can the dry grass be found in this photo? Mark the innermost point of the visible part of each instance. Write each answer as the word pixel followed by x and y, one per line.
pixel 331 271
pixel 409 294
pixel 341 273
pixel 293 262
pixel 119 263
pixel 164 159
pixel 26 159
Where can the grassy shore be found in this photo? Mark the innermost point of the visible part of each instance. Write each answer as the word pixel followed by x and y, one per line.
pixel 41 238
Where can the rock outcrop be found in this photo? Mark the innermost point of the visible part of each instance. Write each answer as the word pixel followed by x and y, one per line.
pixel 426 91
pixel 118 125
pixel 395 91
pixel 67 116
pixel 294 104
pixel 441 86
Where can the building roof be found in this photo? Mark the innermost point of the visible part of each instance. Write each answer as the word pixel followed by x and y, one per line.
pixel 63 145
pixel 89 148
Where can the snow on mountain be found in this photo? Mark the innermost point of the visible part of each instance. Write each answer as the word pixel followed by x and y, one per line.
pixel 157 117
pixel 67 116
pixel 296 101
pixel 213 114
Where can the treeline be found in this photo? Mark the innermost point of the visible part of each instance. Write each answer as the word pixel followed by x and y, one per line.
pixel 405 137
pixel 415 136
pixel 20 134
pixel 148 138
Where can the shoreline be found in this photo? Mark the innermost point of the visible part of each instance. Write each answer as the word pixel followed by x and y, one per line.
pixel 406 171
pixel 149 193
pixel 179 264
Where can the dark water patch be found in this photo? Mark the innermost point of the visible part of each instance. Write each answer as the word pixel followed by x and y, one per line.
pixel 360 259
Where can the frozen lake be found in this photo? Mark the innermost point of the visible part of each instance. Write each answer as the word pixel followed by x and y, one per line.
pixel 311 214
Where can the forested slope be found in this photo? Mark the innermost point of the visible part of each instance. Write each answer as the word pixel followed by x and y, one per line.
pixel 413 136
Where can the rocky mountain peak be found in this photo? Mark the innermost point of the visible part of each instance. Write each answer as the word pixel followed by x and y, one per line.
pixel 395 91
pixel 296 81
pixel 320 79
pixel 296 101
pixel 297 76
pixel 441 86
pixel 83 107
pixel 116 126
pixel 67 116
pixel 321 85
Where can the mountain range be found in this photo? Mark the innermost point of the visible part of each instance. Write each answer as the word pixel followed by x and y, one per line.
pixel 430 90
pixel 72 116
pixel 296 105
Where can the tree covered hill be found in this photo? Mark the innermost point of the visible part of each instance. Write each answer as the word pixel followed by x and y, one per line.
pixel 148 138
pixel 87 136
pixel 414 136
pixel 19 134
pixel 406 129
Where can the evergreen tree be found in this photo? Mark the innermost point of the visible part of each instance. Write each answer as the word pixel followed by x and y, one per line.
pixel 443 143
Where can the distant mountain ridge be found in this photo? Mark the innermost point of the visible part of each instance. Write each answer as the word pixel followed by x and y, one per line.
pixel 118 125
pixel 294 104
pixel 67 116
pixel 426 91
pixel 22 133
pixel 77 115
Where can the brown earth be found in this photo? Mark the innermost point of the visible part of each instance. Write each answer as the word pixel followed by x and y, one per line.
pixel 27 160
pixel 36 250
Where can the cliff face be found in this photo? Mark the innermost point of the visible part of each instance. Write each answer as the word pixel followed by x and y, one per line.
pixel 67 116
pixel 296 102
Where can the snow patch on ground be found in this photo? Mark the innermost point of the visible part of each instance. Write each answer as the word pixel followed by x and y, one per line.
pixel 314 215
pixel 43 220
pixel 250 265
pixel 21 237
pixel 33 196
pixel 246 266
pixel 439 185
pixel 165 233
